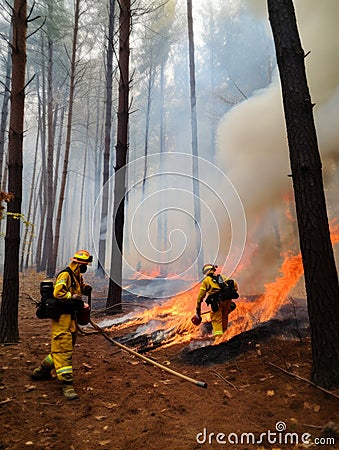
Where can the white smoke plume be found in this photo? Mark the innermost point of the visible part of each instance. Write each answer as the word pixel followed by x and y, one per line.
pixel 252 144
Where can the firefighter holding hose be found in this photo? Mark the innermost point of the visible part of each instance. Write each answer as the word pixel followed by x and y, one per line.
pixel 220 291
pixel 68 290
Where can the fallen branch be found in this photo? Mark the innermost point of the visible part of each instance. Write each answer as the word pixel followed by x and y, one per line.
pixel 224 379
pixel 313 426
pixel 84 332
pixel 30 297
pixel 305 380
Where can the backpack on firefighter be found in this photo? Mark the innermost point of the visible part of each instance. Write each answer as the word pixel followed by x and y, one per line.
pixel 50 307
pixel 227 292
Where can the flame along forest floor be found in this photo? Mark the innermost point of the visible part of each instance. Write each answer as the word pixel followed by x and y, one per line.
pixel 128 404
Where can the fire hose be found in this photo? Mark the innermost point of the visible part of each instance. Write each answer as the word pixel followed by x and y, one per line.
pixel 144 358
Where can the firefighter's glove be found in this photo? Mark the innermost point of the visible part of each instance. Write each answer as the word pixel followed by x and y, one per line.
pixel 198 311
pixel 87 289
pixel 77 302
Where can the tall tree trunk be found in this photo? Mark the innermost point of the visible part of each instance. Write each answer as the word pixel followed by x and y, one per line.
pixel 213 112
pixel 28 227
pixel 321 276
pixel 39 262
pixel 9 331
pixel 194 130
pixel 3 125
pixel 68 135
pixel 48 242
pixel 97 143
pixel 115 282
pixel 82 197
pixel 4 111
pixel 162 223
pixel 40 256
pixel 150 82
pixel 29 253
pixel 107 148
pixel 58 150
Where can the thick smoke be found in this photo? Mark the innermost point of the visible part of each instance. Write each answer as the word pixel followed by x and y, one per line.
pixel 252 143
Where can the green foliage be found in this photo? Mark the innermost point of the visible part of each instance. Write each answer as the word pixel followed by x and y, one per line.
pixel 4 197
pixel 56 17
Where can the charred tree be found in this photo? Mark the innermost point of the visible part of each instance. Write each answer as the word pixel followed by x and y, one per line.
pixel 115 282
pixel 194 131
pixel 107 148
pixel 9 331
pixel 321 277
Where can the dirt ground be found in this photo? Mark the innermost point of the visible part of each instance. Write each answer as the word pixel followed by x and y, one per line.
pixel 126 403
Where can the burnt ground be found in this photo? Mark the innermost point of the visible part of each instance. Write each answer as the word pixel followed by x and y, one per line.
pixel 126 403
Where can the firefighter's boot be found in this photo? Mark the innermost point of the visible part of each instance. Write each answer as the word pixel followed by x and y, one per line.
pixel 41 373
pixel 69 392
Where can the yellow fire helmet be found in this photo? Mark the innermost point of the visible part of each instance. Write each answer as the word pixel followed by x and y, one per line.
pixel 82 257
pixel 208 268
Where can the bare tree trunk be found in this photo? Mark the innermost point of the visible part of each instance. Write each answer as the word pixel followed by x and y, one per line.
pixel 48 242
pixel 30 204
pixel 9 331
pixel 151 75
pixel 115 282
pixel 58 150
pixel 321 276
pixel 40 257
pixel 194 130
pixel 29 253
pixel 97 143
pixel 3 124
pixel 4 111
pixel 39 263
pixel 213 120
pixel 162 224
pixel 276 231
pixel 107 149
pixel 68 136
pixel 82 198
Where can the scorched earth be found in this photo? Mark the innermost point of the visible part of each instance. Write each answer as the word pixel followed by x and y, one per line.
pixel 126 403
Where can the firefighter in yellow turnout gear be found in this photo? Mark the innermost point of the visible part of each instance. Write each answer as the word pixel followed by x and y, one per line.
pixel 220 308
pixel 68 289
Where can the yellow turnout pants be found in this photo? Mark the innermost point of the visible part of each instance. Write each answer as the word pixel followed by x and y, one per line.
pixel 63 340
pixel 219 318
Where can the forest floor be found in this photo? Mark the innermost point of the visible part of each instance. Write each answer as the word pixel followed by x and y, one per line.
pixel 126 403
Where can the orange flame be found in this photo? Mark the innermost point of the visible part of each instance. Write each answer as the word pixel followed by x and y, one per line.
pixel 176 313
pixel 265 306
pixel 155 273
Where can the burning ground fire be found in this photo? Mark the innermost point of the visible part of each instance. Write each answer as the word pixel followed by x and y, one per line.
pixel 173 318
